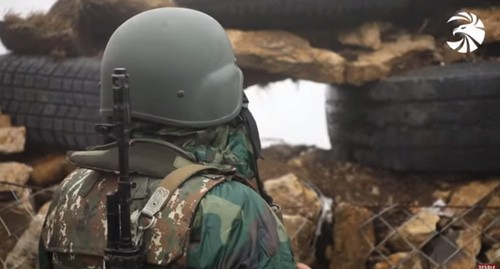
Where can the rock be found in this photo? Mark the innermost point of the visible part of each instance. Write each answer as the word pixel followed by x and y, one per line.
pixel 417 230
pixel 5 121
pixel 455 249
pixel 301 208
pixel 493 254
pixel 38 34
pixel 282 52
pixel 442 194
pixel 24 255
pixel 491 20
pixel 16 173
pixel 471 194
pixel 378 64
pixel 301 232
pixel 469 245
pixel 15 216
pixel 12 139
pixel 294 197
pixel 71 27
pixel 353 237
pixel 489 223
pixel 51 169
pixel 401 260
pixel 366 36
pixel 492 235
pixel 65 9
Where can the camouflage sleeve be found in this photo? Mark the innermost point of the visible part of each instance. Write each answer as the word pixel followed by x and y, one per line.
pixel 234 228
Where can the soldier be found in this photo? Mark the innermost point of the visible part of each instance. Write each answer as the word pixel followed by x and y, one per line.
pixel 188 108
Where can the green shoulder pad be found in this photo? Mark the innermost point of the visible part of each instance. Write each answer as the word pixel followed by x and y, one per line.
pixel 149 157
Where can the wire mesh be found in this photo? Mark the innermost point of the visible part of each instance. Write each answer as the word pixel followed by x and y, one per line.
pixel 462 237
pixel 452 238
pixel 17 211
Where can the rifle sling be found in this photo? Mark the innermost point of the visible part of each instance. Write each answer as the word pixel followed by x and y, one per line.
pixel 169 184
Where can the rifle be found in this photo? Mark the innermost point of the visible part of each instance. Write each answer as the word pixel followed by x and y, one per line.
pixel 120 250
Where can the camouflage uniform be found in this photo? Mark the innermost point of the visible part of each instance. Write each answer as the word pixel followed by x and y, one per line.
pixel 232 226
pixel 183 75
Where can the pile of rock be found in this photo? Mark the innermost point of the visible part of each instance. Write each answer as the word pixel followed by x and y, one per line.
pixel 71 27
pixel 301 209
pixel 15 210
pixel 12 139
pixel 371 51
pixel 20 216
pixel 280 52
pixel 460 231
pixel 461 234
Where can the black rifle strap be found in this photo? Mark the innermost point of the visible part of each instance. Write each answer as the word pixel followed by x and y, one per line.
pixel 253 131
pixel 251 125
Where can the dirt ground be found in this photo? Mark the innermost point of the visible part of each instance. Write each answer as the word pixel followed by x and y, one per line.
pixel 370 188
pixel 356 184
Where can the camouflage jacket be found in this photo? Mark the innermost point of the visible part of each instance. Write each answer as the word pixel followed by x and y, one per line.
pixel 206 224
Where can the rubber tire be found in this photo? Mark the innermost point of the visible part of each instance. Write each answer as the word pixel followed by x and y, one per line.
pixel 57 101
pixel 444 119
pixel 302 13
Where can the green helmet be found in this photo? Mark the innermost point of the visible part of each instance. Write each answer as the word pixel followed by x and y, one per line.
pixel 182 69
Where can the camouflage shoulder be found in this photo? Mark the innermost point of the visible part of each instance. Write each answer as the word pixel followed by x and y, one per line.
pixel 239 226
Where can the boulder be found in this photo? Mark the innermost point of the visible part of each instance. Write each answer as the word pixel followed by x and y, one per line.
pixel 470 194
pixel 50 169
pixel 491 20
pixel 492 235
pixel 15 173
pixel 366 36
pixel 469 245
pixel 489 223
pixel 353 237
pixel 455 248
pixel 65 9
pixel 415 232
pixel 15 218
pixel 5 121
pixel 294 197
pixel 71 27
pixel 301 232
pixel 493 254
pixel 401 260
pixel 301 208
pixel 12 139
pixel 24 255
pixel 38 34
pixel 281 52
pixel 380 63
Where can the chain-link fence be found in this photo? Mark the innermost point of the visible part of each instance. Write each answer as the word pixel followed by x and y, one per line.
pixel 20 225
pixel 434 237
pixel 399 237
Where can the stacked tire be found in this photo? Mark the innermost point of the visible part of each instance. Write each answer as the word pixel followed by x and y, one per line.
pixel 307 13
pixel 441 118
pixel 57 101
